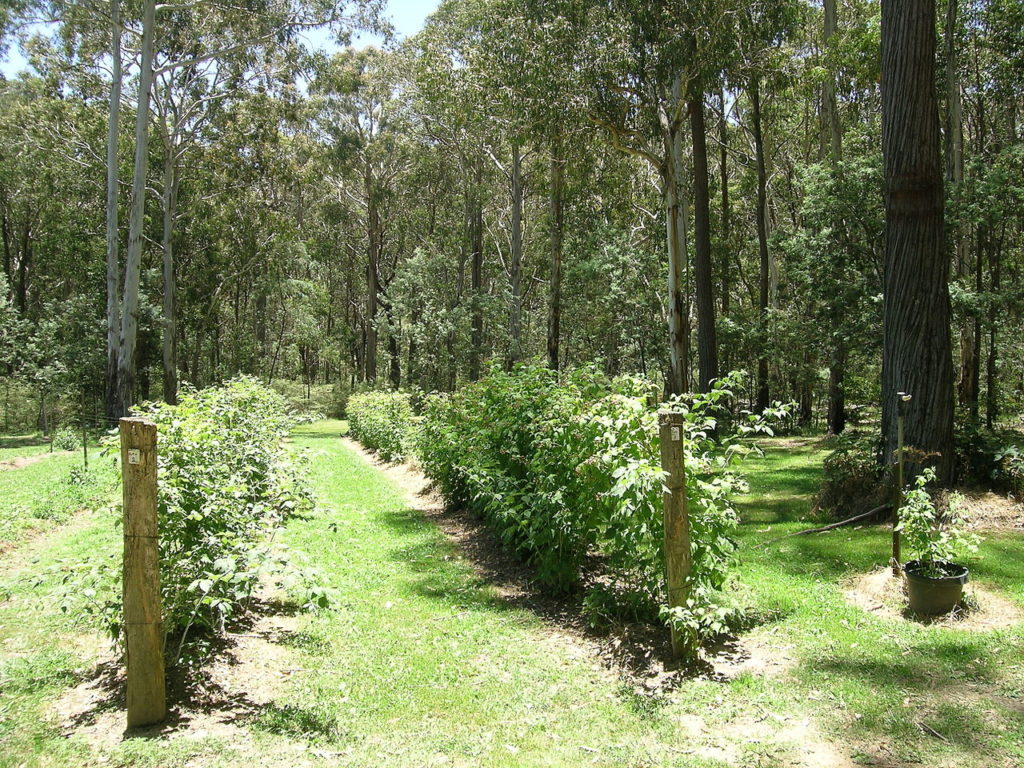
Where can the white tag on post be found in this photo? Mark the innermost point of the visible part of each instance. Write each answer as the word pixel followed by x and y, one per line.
pixel 134 456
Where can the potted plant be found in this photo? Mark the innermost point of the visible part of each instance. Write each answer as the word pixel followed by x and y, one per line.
pixel 935 581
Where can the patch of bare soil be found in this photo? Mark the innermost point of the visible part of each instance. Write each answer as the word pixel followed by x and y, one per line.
pixel 216 700
pixel 881 593
pixel 778 740
pixel 799 442
pixel 23 461
pixel 757 653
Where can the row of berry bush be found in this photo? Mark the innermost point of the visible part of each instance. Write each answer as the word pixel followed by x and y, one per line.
pixel 383 422
pixel 227 481
pixel 566 469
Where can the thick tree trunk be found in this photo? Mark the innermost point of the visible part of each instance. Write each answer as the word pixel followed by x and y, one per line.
pixel 113 259
pixel 917 358
pixel 170 302
pixel 515 325
pixel 136 222
pixel 675 224
pixel 762 241
pixel 707 338
pixel 557 239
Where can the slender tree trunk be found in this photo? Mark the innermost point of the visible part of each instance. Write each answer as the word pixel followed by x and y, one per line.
pixel 394 358
pixel 991 366
pixel 372 279
pixel 5 229
pixel 723 162
pixel 476 280
pixel 516 259
pixel 707 338
pixel 970 358
pixel 762 242
pixel 170 303
pixel 836 387
pixel 917 358
pixel 557 238
pixel 839 355
pixel 675 222
pixel 113 260
pixel 24 268
pixel 830 106
pixel 136 222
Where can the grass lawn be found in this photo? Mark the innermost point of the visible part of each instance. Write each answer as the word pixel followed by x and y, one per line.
pixel 423 662
pixel 49 489
pixel 16 446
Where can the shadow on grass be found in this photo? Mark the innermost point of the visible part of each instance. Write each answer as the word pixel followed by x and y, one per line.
pixel 499 581
pixel 329 430
pixel 192 691
pixel 320 722
pixel 23 441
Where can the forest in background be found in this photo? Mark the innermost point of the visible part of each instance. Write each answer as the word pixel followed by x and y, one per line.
pixel 520 181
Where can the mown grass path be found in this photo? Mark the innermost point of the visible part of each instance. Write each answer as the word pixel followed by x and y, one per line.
pixel 423 661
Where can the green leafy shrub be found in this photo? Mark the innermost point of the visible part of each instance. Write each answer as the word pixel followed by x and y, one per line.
pixel 66 439
pixel 383 422
pixel 929 538
pixel 852 476
pixel 226 482
pixel 568 472
pixel 1009 469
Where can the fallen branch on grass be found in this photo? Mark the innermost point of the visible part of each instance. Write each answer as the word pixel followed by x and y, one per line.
pixel 824 528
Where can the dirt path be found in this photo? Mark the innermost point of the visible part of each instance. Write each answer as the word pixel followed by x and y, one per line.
pixel 23 461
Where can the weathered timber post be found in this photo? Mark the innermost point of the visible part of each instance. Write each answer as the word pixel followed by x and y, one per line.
pixel 143 625
pixel 901 413
pixel 677 521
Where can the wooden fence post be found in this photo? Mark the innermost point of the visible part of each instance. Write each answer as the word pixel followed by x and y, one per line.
pixel 902 398
pixel 677 521
pixel 143 625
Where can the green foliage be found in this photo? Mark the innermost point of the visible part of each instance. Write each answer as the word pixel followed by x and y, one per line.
pixel 852 475
pixel 66 439
pixel 226 483
pixel 927 538
pixel 568 472
pixel 990 457
pixel 384 422
pixel 1009 469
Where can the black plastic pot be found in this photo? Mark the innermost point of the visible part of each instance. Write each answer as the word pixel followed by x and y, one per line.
pixel 934 595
